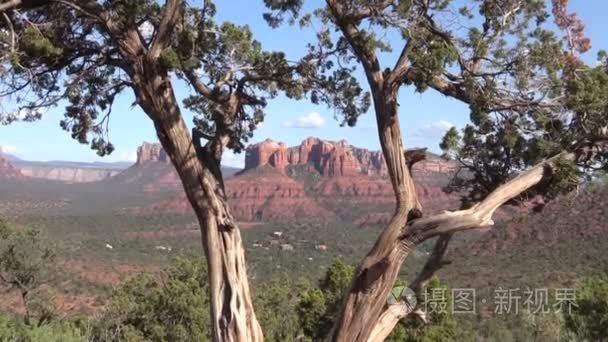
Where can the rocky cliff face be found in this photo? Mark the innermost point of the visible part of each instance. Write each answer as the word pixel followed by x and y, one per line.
pixel 151 152
pixel 260 195
pixel 317 180
pixel 6 169
pixel 328 158
pixel 68 174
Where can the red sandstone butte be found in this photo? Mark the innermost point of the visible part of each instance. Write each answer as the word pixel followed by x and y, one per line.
pixel 281 182
pixel 151 152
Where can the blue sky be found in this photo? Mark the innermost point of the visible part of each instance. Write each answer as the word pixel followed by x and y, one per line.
pixel 424 117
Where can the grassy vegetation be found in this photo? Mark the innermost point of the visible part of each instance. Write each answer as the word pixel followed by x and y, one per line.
pixel 546 250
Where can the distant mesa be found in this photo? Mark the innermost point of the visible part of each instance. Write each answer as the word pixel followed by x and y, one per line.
pixel 304 181
pixel 328 158
pixel 151 152
pixel 7 169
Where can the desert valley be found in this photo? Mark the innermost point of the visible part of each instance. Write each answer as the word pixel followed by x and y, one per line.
pixel 303 171
pixel 300 208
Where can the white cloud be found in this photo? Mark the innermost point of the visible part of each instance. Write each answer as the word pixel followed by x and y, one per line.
pixel 442 125
pixel 10 149
pixel 435 129
pixel 310 120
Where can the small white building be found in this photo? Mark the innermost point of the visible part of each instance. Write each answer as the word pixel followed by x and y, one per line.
pixel 287 247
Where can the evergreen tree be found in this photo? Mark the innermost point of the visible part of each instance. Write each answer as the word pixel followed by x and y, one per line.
pixel 535 112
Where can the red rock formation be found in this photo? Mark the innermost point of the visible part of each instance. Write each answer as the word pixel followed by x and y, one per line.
pixel 258 196
pixel 280 159
pixel 151 152
pixel 340 161
pixel 268 194
pixel 334 175
pixel 372 162
pixel 330 159
pixel 261 153
pixel 6 169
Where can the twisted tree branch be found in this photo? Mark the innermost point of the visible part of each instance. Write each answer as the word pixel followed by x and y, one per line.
pixel 165 28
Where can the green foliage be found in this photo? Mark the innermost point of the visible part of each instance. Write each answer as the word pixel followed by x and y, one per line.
pixel 336 282
pixel 493 147
pixel 545 327
pixel 24 255
pixel 275 302
pixel 26 263
pixel 36 44
pixel 589 318
pixel 169 59
pixel 313 311
pixel 237 66
pixel 430 54
pixel 172 306
pixel 319 306
pixel 565 177
pixel 450 141
pixel 12 329
pixel 441 325
pixel 85 58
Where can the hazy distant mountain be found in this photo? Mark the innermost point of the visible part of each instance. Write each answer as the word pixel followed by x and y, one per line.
pixel 317 179
pixel 61 163
pixel 7 170
pixel 9 157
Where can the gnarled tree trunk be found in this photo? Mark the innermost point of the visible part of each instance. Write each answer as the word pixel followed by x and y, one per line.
pixel 233 317
pixel 378 271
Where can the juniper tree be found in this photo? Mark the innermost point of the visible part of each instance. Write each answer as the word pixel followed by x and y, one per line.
pixel 501 61
pixel 84 54
pixel 534 107
pixel 26 264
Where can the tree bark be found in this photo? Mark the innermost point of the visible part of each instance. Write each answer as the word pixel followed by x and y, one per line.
pixel 233 317
pixel 364 315
pixel 378 271
pixel 444 226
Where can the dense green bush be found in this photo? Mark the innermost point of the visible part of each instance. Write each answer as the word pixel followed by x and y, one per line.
pixel 275 302
pixel 588 320
pixel 441 325
pixel 14 329
pixel 27 261
pixel 319 306
pixel 172 306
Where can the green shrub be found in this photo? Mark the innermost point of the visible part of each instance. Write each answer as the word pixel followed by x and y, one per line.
pixel 588 319
pixel 13 329
pixel 172 306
